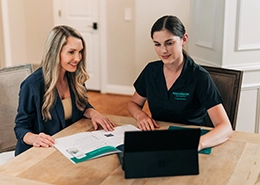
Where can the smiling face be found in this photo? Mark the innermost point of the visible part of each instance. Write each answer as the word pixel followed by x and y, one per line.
pixel 168 46
pixel 71 54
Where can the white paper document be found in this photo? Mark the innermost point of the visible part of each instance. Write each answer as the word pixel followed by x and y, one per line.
pixel 89 145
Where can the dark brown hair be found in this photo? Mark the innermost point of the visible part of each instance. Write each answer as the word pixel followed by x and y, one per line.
pixel 169 23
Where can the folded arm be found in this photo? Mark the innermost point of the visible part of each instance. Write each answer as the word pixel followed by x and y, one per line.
pixel 222 130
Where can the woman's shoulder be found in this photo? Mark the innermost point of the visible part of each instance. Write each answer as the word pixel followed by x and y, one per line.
pixel 196 68
pixel 36 78
pixel 154 65
pixel 194 72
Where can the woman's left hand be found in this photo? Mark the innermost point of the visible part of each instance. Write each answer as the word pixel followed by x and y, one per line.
pixel 99 119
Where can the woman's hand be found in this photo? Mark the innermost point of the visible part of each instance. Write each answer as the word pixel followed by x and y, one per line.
pixel 39 140
pixel 144 122
pixel 99 119
pixel 135 105
pixel 200 147
pixel 43 140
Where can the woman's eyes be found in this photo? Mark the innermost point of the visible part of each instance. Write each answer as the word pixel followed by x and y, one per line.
pixel 73 52
pixel 166 44
pixel 169 43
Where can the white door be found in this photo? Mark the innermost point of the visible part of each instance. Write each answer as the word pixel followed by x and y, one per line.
pixel 83 15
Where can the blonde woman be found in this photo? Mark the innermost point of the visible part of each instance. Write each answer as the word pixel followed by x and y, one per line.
pixel 54 96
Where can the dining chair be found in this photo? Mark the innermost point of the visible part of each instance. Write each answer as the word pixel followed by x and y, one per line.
pixel 10 80
pixel 228 82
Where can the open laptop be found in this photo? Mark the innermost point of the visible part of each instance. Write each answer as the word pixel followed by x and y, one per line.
pixel 160 153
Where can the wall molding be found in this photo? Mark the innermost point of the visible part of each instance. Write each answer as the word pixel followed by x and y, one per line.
pixel 243 67
pixel 56 10
pixel 199 41
pixel 201 61
pixel 239 29
pixel 255 109
pixel 257 119
pixel 103 45
pixel 249 87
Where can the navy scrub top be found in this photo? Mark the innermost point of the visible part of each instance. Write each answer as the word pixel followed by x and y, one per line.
pixel 189 98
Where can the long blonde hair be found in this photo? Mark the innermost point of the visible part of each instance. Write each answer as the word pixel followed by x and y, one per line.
pixel 51 68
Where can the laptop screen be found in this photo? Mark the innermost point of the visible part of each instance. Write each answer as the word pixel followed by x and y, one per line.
pixel 161 153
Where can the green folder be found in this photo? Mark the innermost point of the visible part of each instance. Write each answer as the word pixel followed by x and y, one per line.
pixel 203 131
pixel 96 153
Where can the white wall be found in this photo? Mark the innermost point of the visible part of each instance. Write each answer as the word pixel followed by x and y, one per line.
pixel 206 35
pixel 243 52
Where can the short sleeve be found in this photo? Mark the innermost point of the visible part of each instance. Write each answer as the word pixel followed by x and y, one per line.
pixel 140 83
pixel 208 93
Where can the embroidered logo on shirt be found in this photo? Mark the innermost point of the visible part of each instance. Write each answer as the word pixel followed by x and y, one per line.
pixel 180 95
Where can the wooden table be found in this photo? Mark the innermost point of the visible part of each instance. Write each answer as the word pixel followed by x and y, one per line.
pixel 235 162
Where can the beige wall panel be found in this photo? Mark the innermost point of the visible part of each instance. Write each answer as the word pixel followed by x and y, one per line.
pixel 247 114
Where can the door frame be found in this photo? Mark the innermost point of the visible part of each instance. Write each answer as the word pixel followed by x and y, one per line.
pixel 102 34
pixel 103 44
pixel 6 42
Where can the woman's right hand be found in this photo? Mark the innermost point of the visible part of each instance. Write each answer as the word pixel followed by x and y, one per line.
pixel 135 105
pixel 39 140
pixel 43 140
pixel 144 122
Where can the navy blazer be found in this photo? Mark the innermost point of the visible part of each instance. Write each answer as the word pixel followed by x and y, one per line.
pixel 29 117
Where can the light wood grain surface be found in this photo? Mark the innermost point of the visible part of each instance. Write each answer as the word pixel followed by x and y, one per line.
pixel 235 162
pixel 11 180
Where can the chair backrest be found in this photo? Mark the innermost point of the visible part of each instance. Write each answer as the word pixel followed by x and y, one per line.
pixel 228 82
pixel 10 80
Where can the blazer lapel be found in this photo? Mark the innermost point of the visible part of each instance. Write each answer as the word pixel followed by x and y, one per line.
pixel 74 107
pixel 59 111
